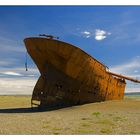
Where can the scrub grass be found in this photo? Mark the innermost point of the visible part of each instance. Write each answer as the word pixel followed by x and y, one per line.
pixel 106 131
pixel 110 117
pixel 97 114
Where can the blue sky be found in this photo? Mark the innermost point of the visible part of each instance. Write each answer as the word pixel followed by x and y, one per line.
pixel 111 34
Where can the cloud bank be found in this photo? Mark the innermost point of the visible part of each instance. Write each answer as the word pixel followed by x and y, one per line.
pixel 16 86
pixel 131 69
pixel 17 81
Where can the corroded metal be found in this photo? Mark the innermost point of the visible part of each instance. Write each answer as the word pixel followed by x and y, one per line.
pixel 69 76
pixel 124 77
pixel 49 36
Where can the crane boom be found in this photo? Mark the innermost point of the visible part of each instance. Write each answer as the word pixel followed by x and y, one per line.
pixel 124 77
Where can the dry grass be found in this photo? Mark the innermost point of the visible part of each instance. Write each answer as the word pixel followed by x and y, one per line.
pixel 110 117
pixel 15 101
pixel 106 131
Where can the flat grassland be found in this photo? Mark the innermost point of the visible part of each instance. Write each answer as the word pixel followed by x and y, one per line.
pixel 110 117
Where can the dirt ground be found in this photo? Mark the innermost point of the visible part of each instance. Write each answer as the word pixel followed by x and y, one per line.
pixel 110 117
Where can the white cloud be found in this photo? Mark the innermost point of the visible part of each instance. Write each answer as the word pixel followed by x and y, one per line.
pixel 31 75
pixel 129 69
pixel 17 81
pixel 19 71
pixel 101 34
pixel 132 89
pixel 100 37
pixel 16 86
pixel 12 73
pixel 98 34
pixel 87 34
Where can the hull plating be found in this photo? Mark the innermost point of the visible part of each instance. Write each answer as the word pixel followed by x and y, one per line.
pixel 70 76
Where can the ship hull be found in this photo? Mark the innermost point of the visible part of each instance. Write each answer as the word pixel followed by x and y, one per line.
pixel 69 76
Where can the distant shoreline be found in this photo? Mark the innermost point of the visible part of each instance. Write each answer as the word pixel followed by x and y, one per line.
pixel 132 94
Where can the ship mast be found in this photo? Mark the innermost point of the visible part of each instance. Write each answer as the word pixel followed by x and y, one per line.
pixel 124 77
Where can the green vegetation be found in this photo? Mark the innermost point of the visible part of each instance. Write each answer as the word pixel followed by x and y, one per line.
pixel 86 124
pixel 46 124
pixel 110 114
pixel 56 131
pixel 85 131
pixel 106 131
pixel 85 119
pixel 16 117
pixel 132 132
pixel 118 118
pixel 106 122
pixel 97 114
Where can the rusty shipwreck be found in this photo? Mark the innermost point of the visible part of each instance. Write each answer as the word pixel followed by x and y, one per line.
pixel 69 76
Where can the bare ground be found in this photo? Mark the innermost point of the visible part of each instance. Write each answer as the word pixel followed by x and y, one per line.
pixel 110 117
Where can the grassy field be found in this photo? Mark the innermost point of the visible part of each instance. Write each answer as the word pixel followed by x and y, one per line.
pixel 110 117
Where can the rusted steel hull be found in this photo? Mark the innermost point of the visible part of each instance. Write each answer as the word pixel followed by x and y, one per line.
pixel 69 76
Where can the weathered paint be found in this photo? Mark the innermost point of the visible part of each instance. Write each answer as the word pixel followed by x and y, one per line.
pixel 69 76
